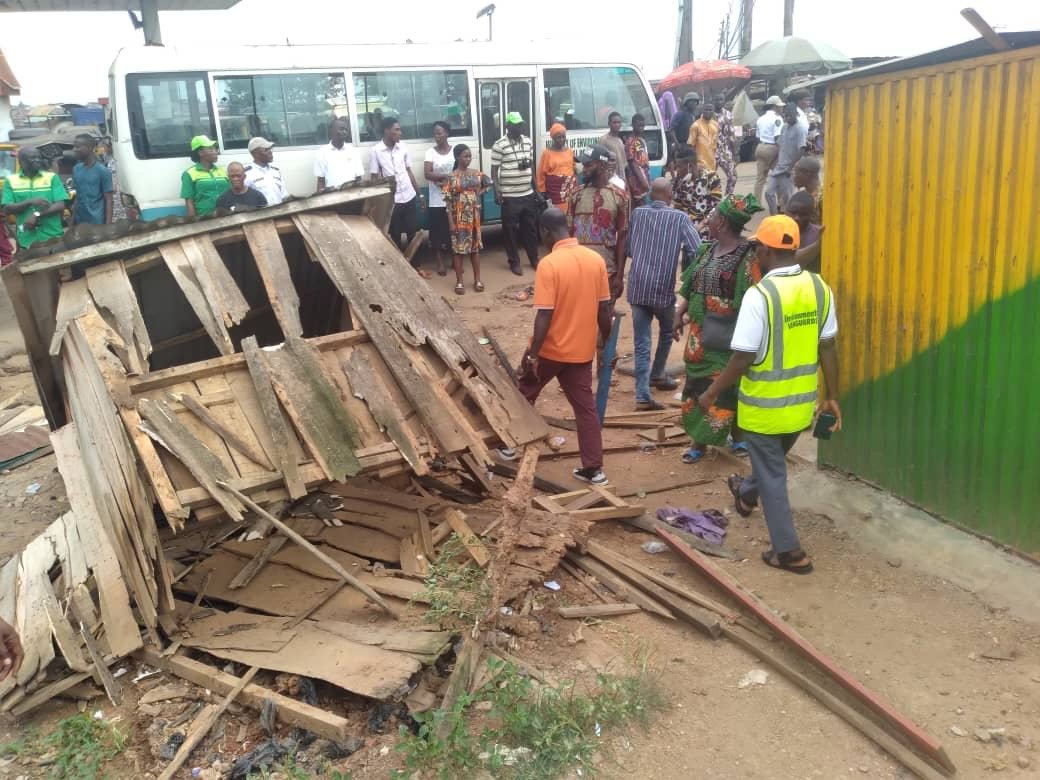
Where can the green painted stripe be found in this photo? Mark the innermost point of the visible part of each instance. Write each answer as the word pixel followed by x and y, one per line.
pixel 957 428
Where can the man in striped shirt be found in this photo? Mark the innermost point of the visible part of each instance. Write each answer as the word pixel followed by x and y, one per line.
pixel 656 234
pixel 512 172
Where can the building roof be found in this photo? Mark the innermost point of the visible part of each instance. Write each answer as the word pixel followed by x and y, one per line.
pixel 113 5
pixel 961 51
pixel 8 82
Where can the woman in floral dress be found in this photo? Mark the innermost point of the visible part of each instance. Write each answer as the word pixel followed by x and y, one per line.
pixel 463 195
pixel 713 287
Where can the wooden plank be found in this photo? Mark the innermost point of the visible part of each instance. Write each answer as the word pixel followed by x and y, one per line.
pixel 203 464
pixel 110 288
pixel 139 242
pixel 426 645
pixel 225 299
pixel 365 382
pixel 366 542
pixel 269 256
pixel 46 693
pixel 864 725
pixel 459 681
pixel 920 739
pixel 472 542
pixel 232 411
pixel 587 581
pixel 179 265
pixel 376 493
pixel 609 512
pixel 245 576
pixel 597 610
pixel 589 499
pixel 478 471
pixel 228 363
pixel 314 406
pixel 621 589
pixel 112 688
pixel 370 594
pixel 503 358
pixel 297 713
pixel 540 483
pixel 229 436
pixel 279 431
pixel 72 303
pixel 64 634
pixel 704 621
pixel 413 560
pixel 162 487
pixel 204 723
pixel 662 433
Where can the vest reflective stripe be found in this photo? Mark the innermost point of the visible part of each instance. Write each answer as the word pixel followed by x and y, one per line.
pixel 216 172
pixel 41 181
pixel 778 394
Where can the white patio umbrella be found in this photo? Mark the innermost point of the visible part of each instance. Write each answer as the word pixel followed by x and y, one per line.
pixel 791 54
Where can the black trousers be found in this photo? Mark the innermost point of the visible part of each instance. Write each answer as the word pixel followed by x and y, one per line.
pixel 405 219
pixel 520 226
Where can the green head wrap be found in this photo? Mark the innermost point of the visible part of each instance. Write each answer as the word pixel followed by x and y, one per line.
pixel 739 209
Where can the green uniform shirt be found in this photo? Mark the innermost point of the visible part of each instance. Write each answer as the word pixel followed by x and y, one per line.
pixel 204 187
pixel 46 185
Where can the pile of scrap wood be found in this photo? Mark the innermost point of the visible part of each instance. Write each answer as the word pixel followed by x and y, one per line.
pixel 237 463
pixel 24 435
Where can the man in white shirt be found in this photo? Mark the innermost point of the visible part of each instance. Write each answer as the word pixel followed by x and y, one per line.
pixel 261 175
pixel 390 160
pixel 803 99
pixel 337 163
pixel 768 129
pixel 784 333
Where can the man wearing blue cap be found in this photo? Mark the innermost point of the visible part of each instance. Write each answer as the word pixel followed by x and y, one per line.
pixel 512 173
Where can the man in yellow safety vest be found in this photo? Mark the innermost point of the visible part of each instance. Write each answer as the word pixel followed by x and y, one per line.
pixel 784 333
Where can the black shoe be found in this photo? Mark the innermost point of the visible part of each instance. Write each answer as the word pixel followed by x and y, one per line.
pixel 515 268
pixel 664 383
pixel 649 406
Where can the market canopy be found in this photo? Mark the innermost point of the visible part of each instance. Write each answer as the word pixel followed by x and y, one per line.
pixel 791 54
pixel 704 74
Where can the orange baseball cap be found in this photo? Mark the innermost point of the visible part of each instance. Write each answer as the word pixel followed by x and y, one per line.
pixel 779 232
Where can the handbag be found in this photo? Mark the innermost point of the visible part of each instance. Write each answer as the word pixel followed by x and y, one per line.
pixel 717 331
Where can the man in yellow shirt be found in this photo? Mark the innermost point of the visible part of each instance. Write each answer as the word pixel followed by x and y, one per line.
pixel 704 138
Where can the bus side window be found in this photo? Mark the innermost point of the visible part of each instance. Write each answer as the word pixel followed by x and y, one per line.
pixel 165 111
pixel 416 99
pixel 583 98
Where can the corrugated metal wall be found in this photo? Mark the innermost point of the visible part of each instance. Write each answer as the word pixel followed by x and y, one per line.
pixel 932 245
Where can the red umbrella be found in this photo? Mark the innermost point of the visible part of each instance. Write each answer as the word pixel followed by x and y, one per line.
pixel 700 72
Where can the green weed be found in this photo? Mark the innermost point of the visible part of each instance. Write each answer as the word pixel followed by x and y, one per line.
pixel 536 732
pixel 82 745
pixel 459 593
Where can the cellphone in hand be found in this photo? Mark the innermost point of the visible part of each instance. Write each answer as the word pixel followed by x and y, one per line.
pixel 824 423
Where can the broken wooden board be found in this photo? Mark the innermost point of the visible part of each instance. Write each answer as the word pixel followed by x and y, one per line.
pixel 662 433
pixel 591 504
pixel 425 645
pixel 597 611
pixel 236 631
pixel 114 298
pixel 266 247
pixel 365 542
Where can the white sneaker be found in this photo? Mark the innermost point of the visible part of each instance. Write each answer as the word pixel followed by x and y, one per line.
pixel 506 453
pixel 592 476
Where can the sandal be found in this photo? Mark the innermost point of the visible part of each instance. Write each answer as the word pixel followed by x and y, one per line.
pixel 423 274
pixel 733 482
pixel 692 455
pixel 460 289
pixel 796 561
pixel 740 449
pixel 478 286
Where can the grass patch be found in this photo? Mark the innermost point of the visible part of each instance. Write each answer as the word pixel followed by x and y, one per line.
pixel 81 746
pixel 535 731
pixel 459 592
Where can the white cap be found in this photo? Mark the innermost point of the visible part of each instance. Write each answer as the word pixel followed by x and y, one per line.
pixel 774 100
pixel 259 143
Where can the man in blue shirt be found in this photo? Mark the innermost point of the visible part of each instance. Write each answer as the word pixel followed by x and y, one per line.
pixel 656 233
pixel 93 183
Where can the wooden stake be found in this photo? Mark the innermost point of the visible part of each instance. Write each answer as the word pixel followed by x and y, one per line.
pixel 345 575
pixel 597 610
pixel 204 724
pixel 257 562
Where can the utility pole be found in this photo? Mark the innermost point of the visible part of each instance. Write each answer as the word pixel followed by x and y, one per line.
pixel 488 11
pixel 684 34
pixel 746 7
pixel 788 17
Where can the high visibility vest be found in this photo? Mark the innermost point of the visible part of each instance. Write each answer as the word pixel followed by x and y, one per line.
pixel 778 394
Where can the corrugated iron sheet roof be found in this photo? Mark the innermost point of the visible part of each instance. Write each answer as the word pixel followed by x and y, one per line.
pixel 960 51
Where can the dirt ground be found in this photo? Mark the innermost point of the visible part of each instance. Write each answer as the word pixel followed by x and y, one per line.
pixel 914 638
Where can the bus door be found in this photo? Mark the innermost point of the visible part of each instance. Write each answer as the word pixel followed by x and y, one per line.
pixel 496 98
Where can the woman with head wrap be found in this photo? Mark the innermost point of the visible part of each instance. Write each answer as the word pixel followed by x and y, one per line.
pixel 555 177
pixel 709 299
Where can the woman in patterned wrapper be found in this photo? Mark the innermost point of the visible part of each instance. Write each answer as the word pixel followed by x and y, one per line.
pixel 463 195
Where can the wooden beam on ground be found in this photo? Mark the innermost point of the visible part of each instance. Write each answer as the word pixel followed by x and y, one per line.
pixel 257 562
pixel 621 589
pixel 597 610
pixel 540 483
pixel 586 580
pixel 204 723
pixel 472 542
pixel 613 450
pixel 503 358
pixel 332 563
pixel 193 405
pixel 861 723
pixel 459 681
pixel 297 713
pixel 924 742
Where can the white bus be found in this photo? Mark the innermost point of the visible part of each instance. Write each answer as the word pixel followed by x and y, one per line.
pixel 162 96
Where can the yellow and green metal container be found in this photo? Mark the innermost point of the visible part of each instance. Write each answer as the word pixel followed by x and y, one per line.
pixel 932 246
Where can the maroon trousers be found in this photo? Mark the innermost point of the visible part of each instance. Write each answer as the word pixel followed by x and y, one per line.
pixel 576 381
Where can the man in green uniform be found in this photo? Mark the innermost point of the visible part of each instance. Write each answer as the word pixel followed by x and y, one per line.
pixel 204 182
pixel 36 197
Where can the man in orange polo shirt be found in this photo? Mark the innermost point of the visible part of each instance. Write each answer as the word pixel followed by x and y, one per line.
pixel 572 298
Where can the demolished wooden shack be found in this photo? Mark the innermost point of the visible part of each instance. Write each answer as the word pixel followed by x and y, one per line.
pixel 194 370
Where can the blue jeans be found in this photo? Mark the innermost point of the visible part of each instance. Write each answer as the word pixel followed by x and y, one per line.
pixel 642 325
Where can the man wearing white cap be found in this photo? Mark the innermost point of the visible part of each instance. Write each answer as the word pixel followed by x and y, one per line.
pixel 768 130
pixel 261 175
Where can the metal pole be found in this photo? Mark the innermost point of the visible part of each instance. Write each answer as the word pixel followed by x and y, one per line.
pixel 490 17
pixel 684 35
pixel 747 7
pixel 788 17
pixel 150 22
